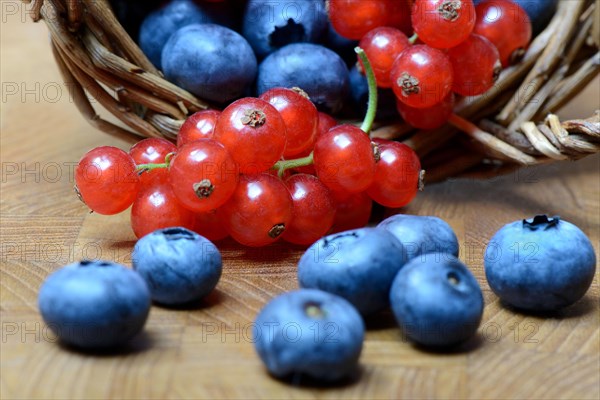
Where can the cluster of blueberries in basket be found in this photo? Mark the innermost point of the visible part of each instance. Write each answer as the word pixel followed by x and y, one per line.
pixel 222 50
pixel 406 263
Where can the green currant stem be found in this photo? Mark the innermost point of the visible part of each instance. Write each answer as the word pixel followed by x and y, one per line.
pixel 367 124
pixel 282 166
pixel 413 38
pixel 150 167
pixel 372 108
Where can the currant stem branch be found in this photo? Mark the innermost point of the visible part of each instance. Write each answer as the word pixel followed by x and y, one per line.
pixel 149 167
pixel 367 124
pixel 413 38
pixel 282 166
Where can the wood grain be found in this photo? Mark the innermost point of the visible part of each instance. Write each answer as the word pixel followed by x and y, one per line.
pixel 206 352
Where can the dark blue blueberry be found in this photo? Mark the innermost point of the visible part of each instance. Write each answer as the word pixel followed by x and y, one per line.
pixel 540 264
pixel 211 61
pixel 94 304
pixel 131 14
pixel 178 265
pixel 359 90
pixel 269 25
pixel 309 332
pixel 320 72
pixel 158 27
pixel 436 300
pixel 358 265
pixel 422 235
pixel 540 12
pixel 344 47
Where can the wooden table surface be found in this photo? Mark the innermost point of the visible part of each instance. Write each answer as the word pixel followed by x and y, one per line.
pixel 206 352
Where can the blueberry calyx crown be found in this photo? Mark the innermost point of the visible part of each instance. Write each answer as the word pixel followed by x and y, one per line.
pixel 453 278
pixel 327 241
pixel 291 32
pixel 314 310
pixel 85 263
pixel 541 221
pixel 177 234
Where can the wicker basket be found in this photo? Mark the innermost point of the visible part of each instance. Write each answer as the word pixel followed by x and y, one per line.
pixel 96 55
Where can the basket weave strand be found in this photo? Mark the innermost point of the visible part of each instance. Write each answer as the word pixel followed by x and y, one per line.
pixel 510 126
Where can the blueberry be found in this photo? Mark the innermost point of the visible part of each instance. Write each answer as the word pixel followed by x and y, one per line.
pixel 342 46
pixel 359 91
pixel 422 235
pixel 540 12
pixel 211 61
pixel 358 265
pixel 270 25
pixel 158 27
pixel 178 265
pixel 94 304
pixel 436 300
pixel 540 264
pixel 320 72
pixel 309 332
pixel 131 14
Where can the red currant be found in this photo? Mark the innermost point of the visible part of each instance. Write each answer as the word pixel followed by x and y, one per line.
pixel 443 23
pixel 507 26
pixel 203 175
pixel 354 18
pixel 299 115
pixel 344 159
pixel 154 177
pixel 400 16
pixel 428 118
pixel 326 122
pixel 209 225
pixel 421 76
pixel 259 211
pixel 382 46
pixel 151 151
pixel 157 207
pixel 476 65
pixel 200 125
pixel 106 180
pixel 314 210
pixel 352 211
pixel 253 132
pixel 397 178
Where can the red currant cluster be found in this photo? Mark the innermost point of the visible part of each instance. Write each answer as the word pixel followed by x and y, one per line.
pixel 262 169
pixel 457 48
pixel 274 167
